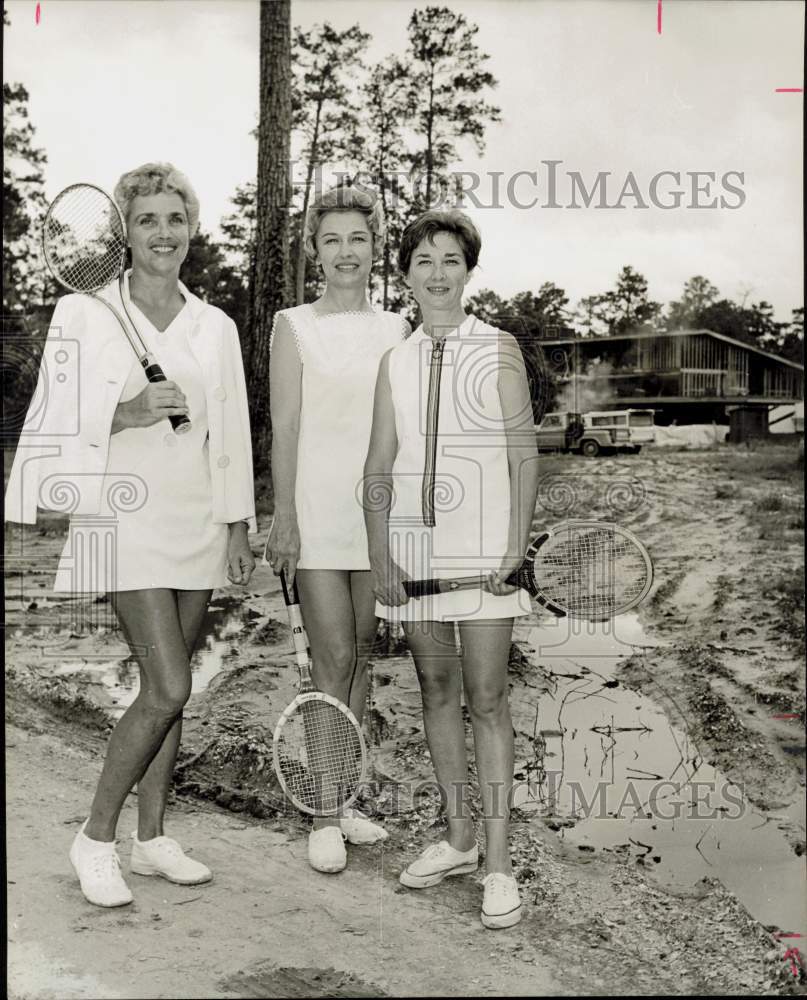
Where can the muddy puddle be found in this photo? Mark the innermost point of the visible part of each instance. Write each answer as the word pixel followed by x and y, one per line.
pixel 608 772
pixel 598 763
pixel 115 682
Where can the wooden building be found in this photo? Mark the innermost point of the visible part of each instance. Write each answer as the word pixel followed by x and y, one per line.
pixel 688 376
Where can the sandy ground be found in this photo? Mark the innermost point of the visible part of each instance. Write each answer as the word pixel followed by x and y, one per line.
pixel 719 665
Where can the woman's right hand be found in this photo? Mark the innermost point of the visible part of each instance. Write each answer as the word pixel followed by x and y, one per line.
pixel 388 579
pixel 156 402
pixel 283 545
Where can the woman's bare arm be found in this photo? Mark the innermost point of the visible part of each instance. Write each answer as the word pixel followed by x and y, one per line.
pixel 377 492
pixel 285 394
pixel 522 452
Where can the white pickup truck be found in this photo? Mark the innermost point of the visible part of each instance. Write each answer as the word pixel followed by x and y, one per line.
pixel 595 432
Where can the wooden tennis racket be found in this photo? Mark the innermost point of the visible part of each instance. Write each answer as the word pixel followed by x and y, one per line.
pixel 320 756
pixel 584 569
pixel 84 243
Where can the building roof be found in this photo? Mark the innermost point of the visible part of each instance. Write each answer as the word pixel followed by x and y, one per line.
pixel 650 335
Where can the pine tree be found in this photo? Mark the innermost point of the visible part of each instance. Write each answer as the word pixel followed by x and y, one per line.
pixel 270 285
pixel 324 112
pixel 447 84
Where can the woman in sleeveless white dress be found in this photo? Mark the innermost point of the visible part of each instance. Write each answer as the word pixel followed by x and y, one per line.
pixel 450 487
pixel 325 358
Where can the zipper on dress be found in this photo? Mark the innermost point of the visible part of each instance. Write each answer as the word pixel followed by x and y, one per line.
pixel 432 413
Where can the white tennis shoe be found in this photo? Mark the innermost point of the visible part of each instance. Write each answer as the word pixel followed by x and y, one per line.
pixel 97 865
pixel 163 856
pixel 326 850
pixel 359 829
pixel 438 862
pixel 501 904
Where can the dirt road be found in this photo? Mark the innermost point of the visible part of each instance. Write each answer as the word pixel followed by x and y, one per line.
pixel 715 661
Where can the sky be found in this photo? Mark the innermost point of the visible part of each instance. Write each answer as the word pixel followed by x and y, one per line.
pixel 589 83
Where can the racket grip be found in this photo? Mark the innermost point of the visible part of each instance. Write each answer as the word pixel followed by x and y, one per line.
pixel 421 588
pixel 290 597
pixel 179 421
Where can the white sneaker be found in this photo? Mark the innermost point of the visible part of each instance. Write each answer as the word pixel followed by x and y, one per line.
pixel 438 862
pixel 97 865
pixel 326 849
pixel 501 905
pixel 359 829
pixel 163 856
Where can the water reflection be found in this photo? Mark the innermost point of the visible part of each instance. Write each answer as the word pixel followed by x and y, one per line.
pixel 116 682
pixel 608 771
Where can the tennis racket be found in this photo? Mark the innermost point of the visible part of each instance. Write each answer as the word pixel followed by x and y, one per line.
pixel 583 569
pixel 84 243
pixel 319 752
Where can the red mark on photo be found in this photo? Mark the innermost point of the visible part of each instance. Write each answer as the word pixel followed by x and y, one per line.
pixel 787 715
pixel 795 957
pixel 790 90
pixel 38 13
pixel 793 954
pixel 658 17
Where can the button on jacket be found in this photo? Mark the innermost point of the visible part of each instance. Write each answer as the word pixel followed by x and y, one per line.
pixel 85 364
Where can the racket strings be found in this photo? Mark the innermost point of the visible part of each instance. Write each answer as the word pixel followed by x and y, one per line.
pixel 319 754
pixel 84 239
pixel 595 572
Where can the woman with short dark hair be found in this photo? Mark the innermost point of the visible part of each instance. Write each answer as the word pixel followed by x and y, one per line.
pixel 450 487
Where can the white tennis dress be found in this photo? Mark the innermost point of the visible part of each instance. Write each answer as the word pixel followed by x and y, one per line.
pixel 157 529
pixel 340 355
pixel 450 511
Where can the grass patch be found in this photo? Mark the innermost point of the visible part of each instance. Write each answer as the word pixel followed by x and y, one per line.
pixel 785 594
pixel 723 591
pixel 774 461
pixel 771 504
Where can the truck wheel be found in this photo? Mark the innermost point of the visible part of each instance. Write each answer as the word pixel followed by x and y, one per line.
pixel 590 448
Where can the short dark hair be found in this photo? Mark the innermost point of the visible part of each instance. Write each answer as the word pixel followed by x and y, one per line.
pixel 429 224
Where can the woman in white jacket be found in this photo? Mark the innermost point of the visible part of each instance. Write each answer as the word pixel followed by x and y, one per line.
pixel 97 441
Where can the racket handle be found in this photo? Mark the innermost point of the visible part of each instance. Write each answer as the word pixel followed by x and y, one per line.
pixel 290 597
pixel 154 373
pixel 425 588
pixel 422 588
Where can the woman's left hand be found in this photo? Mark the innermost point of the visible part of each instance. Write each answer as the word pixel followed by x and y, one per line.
pixel 496 584
pixel 240 561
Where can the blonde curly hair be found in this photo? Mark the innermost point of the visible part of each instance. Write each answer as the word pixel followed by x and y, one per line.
pixel 156 178
pixel 346 196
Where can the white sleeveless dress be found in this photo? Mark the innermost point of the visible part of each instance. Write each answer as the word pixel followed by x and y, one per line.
pixel 450 511
pixel 340 355
pixel 160 532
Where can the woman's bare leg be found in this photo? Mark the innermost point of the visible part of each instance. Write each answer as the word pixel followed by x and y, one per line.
pixel 326 598
pixel 485 654
pixel 151 622
pixel 438 670
pixel 154 786
pixel 366 627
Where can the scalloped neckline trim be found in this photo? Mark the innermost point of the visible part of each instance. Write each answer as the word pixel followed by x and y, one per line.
pixel 347 312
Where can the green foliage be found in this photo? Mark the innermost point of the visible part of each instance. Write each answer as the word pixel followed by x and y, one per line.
pixel 701 308
pixel 26 284
pixel 325 114
pixel 447 86
pixel 387 100
pixel 208 275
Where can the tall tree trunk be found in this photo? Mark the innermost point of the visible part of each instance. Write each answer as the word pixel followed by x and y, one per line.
pixel 309 176
pixel 430 141
pixel 270 286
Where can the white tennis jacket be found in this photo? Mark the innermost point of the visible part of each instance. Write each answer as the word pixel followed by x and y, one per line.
pixel 62 453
